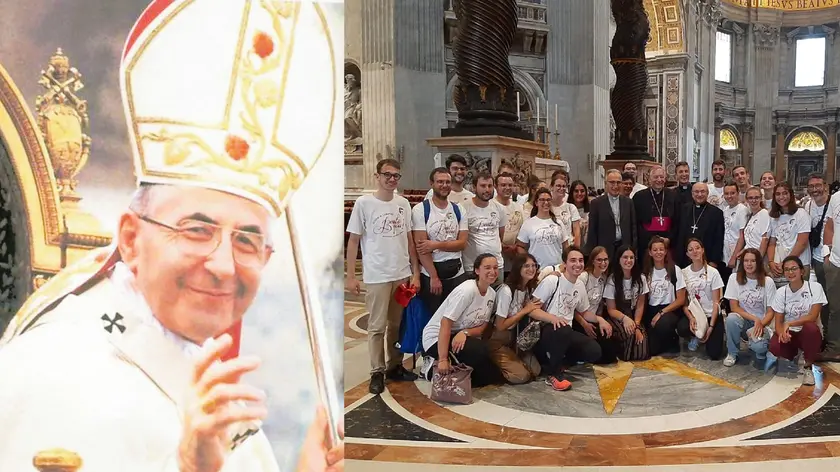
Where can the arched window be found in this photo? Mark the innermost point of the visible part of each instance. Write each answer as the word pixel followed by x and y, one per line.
pixel 806 141
pixel 728 140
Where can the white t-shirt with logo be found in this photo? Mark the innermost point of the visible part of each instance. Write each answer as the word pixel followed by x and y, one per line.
pixel 633 290
pixel 454 197
pixel 515 216
pixel 662 291
pixel 465 306
pixel 757 227
pixel 594 290
pixel 566 215
pixel 716 196
pixel 734 220
pixel 483 225
pixel 798 304
pixel 816 212
pixel 751 297
pixel 443 226
pixel 509 302
pixel 834 214
pixel 382 227
pixel 702 283
pixel 544 238
pixel 786 228
pixel 566 300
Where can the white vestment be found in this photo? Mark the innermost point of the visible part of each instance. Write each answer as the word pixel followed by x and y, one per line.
pixel 96 376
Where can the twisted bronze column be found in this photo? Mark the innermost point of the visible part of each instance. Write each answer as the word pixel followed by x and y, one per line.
pixel 627 56
pixel 485 95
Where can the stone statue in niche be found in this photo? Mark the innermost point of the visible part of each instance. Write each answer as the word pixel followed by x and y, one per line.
pixel 352 114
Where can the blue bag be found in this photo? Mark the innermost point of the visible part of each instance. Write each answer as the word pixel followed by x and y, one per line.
pixel 414 320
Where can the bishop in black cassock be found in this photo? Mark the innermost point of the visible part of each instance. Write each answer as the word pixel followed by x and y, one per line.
pixel 656 215
pixel 704 221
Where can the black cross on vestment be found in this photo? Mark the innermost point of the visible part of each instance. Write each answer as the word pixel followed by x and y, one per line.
pixel 111 323
pixel 241 437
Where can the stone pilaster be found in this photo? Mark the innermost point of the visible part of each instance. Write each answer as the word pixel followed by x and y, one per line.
pixel 747 144
pixel 763 92
pixel 781 163
pixel 831 151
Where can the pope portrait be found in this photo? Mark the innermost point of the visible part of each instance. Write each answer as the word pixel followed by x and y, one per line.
pixel 129 359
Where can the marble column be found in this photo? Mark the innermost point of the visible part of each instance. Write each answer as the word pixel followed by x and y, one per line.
pixel 718 124
pixel 831 151
pixel 746 145
pixel 781 162
pixel 764 91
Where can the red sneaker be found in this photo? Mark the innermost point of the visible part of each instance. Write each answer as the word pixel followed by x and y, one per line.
pixel 561 385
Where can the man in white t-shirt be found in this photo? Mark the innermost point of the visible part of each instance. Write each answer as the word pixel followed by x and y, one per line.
pixel 565 296
pixel 440 232
pixel 514 215
pixel 381 222
pixel 486 220
pixel 457 167
pixel 817 208
pixel 831 266
pixel 734 220
pixel 630 168
pixel 717 184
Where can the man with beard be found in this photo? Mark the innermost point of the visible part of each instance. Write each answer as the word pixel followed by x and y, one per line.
pixel 486 220
pixel 716 188
pixel 656 211
pixel 742 180
pixel 514 216
pixel 817 208
pixel 630 168
pixel 683 187
pixel 735 216
pixel 702 221
pixel 457 167
pixel 440 232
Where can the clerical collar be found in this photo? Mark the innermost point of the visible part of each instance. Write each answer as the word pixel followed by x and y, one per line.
pixel 613 198
pixel 684 186
pixel 698 205
pixel 123 279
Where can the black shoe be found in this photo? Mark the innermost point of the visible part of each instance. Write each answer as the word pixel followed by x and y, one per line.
pixel 377 383
pixel 400 374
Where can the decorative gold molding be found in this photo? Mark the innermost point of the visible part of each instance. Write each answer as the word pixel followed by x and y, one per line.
pixel 786 5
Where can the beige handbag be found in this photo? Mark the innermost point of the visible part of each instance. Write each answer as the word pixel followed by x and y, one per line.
pixel 454 386
pixel 699 315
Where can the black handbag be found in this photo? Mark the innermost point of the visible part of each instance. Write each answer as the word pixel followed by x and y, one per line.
pixel 448 269
pixel 815 237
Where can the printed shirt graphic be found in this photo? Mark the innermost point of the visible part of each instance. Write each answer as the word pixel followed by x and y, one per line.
pixel 756 228
pixel 544 238
pixel 661 288
pixel 465 307
pixel 509 304
pixel 514 217
pixel 834 214
pixel 594 290
pixel 454 197
pixel 483 225
pixel 786 228
pixel 701 284
pixel 631 291
pixel 796 305
pixel 442 226
pixel 568 299
pixel 734 220
pixel 384 242
pixel 566 215
pixel 753 299
pixel 716 197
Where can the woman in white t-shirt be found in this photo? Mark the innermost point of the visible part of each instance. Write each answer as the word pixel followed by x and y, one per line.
pixel 594 278
pixel 789 230
pixel 665 300
pixel 796 308
pixel 460 321
pixel 703 283
pixel 767 182
pixel 542 235
pixel 755 234
pixel 514 302
pixel 626 306
pixel 566 213
pixel 750 292
pixel 580 199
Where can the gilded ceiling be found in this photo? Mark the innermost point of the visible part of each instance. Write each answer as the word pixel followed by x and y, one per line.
pixel 666 26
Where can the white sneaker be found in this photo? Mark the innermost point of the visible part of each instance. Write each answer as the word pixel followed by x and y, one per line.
pixel 693 344
pixel 426 370
pixel 730 360
pixel 808 379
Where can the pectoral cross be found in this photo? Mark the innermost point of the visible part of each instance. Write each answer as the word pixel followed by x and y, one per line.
pixel 661 220
pixel 693 228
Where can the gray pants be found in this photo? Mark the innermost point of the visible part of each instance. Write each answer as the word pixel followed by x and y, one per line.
pixel 832 321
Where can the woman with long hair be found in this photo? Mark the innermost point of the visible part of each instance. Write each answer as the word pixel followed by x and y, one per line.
pixel 566 213
pixel 625 294
pixel 457 326
pixel 666 298
pixel 514 302
pixel 750 292
pixel 755 232
pixel 796 308
pixel 541 234
pixel 594 278
pixel 534 184
pixel 580 199
pixel 703 283
pixel 767 182
pixel 790 226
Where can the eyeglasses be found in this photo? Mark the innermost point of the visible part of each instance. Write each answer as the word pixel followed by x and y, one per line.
pixel 754 198
pixel 390 175
pixel 544 200
pixel 614 182
pixel 529 266
pixel 602 260
pixel 789 270
pixel 200 239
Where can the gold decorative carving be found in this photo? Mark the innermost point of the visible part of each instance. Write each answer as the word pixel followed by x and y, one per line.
pixel 667 30
pixel 482 89
pixel 806 141
pixel 63 119
pixel 786 5
pixel 728 140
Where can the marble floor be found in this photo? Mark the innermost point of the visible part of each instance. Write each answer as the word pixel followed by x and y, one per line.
pixel 686 413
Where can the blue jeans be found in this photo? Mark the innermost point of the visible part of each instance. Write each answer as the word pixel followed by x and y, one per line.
pixel 736 330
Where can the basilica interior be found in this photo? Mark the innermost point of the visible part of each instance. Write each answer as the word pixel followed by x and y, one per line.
pixel 751 82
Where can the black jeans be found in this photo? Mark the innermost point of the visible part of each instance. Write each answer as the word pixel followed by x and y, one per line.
pixel 716 343
pixel 476 355
pixel 558 344
pixel 609 345
pixel 663 337
pixel 432 301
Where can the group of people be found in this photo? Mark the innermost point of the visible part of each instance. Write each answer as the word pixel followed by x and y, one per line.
pixel 522 287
